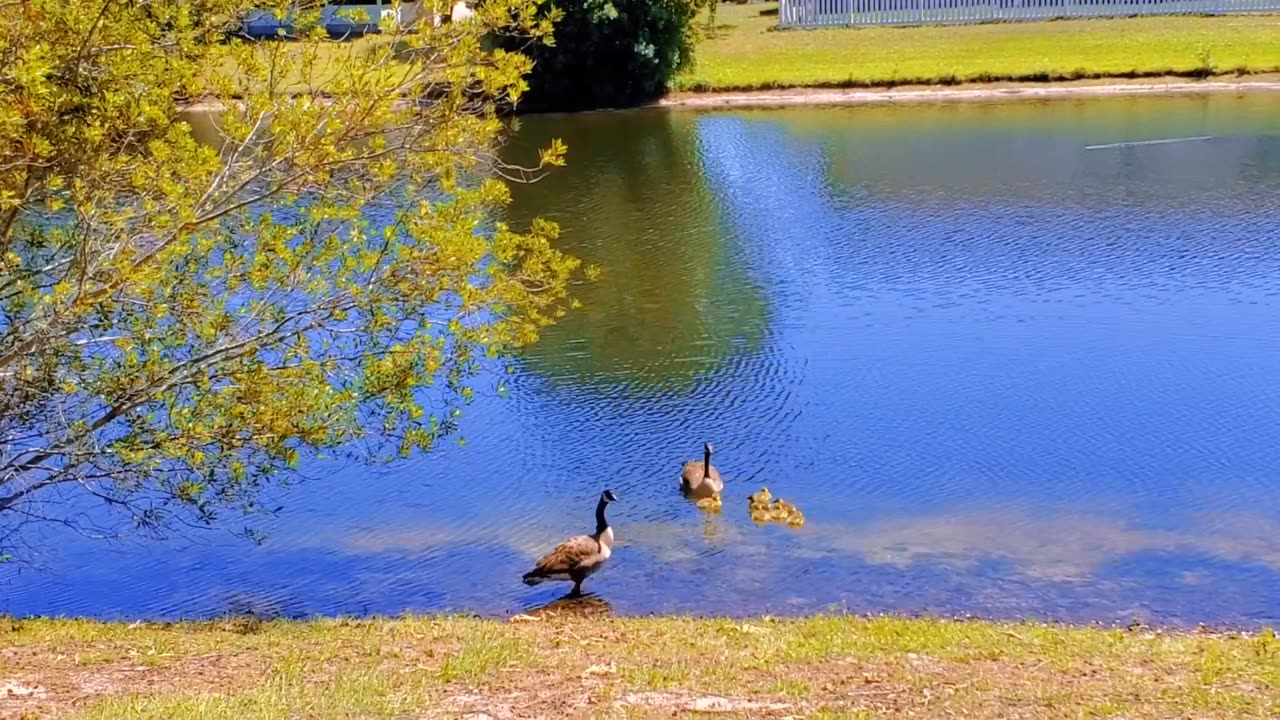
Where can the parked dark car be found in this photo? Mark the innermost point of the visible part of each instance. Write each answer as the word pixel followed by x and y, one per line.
pixel 338 19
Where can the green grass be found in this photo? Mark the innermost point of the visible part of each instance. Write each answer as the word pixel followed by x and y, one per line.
pixel 822 667
pixel 297 72
pixel 746 51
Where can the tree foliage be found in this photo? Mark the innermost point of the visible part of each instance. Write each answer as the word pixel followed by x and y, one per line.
pixel 182 321
pixel 611 53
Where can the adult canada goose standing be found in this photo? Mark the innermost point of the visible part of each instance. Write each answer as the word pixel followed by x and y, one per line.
pixel 700 479
pixel 579 556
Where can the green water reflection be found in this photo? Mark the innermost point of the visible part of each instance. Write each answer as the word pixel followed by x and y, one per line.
pixel 1015 151
pixel 670 304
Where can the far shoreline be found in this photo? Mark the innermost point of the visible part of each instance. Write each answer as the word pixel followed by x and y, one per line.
pixel 917 94
pixel 967 92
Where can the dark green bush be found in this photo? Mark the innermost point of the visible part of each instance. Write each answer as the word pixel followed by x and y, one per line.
pixel 610 53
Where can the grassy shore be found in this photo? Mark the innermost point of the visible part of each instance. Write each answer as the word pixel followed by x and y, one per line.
pixel 557 665
pixel 746 51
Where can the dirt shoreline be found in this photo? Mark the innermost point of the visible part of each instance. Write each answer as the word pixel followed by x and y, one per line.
pixel 904 94
pixel 976 92
pixel 570 663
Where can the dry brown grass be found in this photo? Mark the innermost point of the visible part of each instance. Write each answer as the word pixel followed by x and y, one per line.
pixel 561 664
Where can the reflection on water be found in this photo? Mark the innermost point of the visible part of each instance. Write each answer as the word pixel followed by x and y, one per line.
pixel 673 302
pixel 1038 546
pixel 584 605
pixel 999 373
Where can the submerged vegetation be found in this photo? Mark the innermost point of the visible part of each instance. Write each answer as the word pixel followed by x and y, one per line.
pixel 746 51
pixel 818 667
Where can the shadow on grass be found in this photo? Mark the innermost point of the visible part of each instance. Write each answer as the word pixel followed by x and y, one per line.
pixel 713 32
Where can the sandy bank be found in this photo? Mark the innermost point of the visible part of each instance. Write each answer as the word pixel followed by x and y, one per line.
pixel 985 92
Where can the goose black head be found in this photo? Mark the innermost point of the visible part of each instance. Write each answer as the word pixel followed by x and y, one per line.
pixel 608 496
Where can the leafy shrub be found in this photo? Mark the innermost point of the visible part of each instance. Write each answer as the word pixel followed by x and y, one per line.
pixel 610 53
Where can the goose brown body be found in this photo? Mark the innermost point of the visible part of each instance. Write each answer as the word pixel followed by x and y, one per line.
pixel 580 556
pixel 699 478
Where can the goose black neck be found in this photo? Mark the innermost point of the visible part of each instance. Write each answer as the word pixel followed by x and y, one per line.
pixel 601 523
pixel 706 462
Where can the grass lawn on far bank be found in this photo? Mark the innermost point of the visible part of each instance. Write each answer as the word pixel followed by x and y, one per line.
pixel 585 667
pixel 747 52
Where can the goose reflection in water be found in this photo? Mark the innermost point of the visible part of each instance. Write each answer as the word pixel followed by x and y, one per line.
pixel 574 605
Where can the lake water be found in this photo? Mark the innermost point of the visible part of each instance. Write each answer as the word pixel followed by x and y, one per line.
pixel 1001 373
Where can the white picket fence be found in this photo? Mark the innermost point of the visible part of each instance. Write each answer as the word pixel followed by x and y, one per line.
pixel 829 13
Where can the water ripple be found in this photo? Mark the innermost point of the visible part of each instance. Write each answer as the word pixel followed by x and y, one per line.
pixel 999 374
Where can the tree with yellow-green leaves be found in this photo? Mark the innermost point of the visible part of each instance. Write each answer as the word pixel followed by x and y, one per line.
pixel 184 317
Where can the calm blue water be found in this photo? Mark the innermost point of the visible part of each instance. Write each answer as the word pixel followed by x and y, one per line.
pixel 1001 374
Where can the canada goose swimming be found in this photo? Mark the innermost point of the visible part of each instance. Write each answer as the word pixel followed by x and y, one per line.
pixel 579 556
pixel 700 479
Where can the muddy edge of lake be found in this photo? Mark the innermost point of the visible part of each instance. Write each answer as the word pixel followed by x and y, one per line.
pixel 905 94
pixel 975 92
